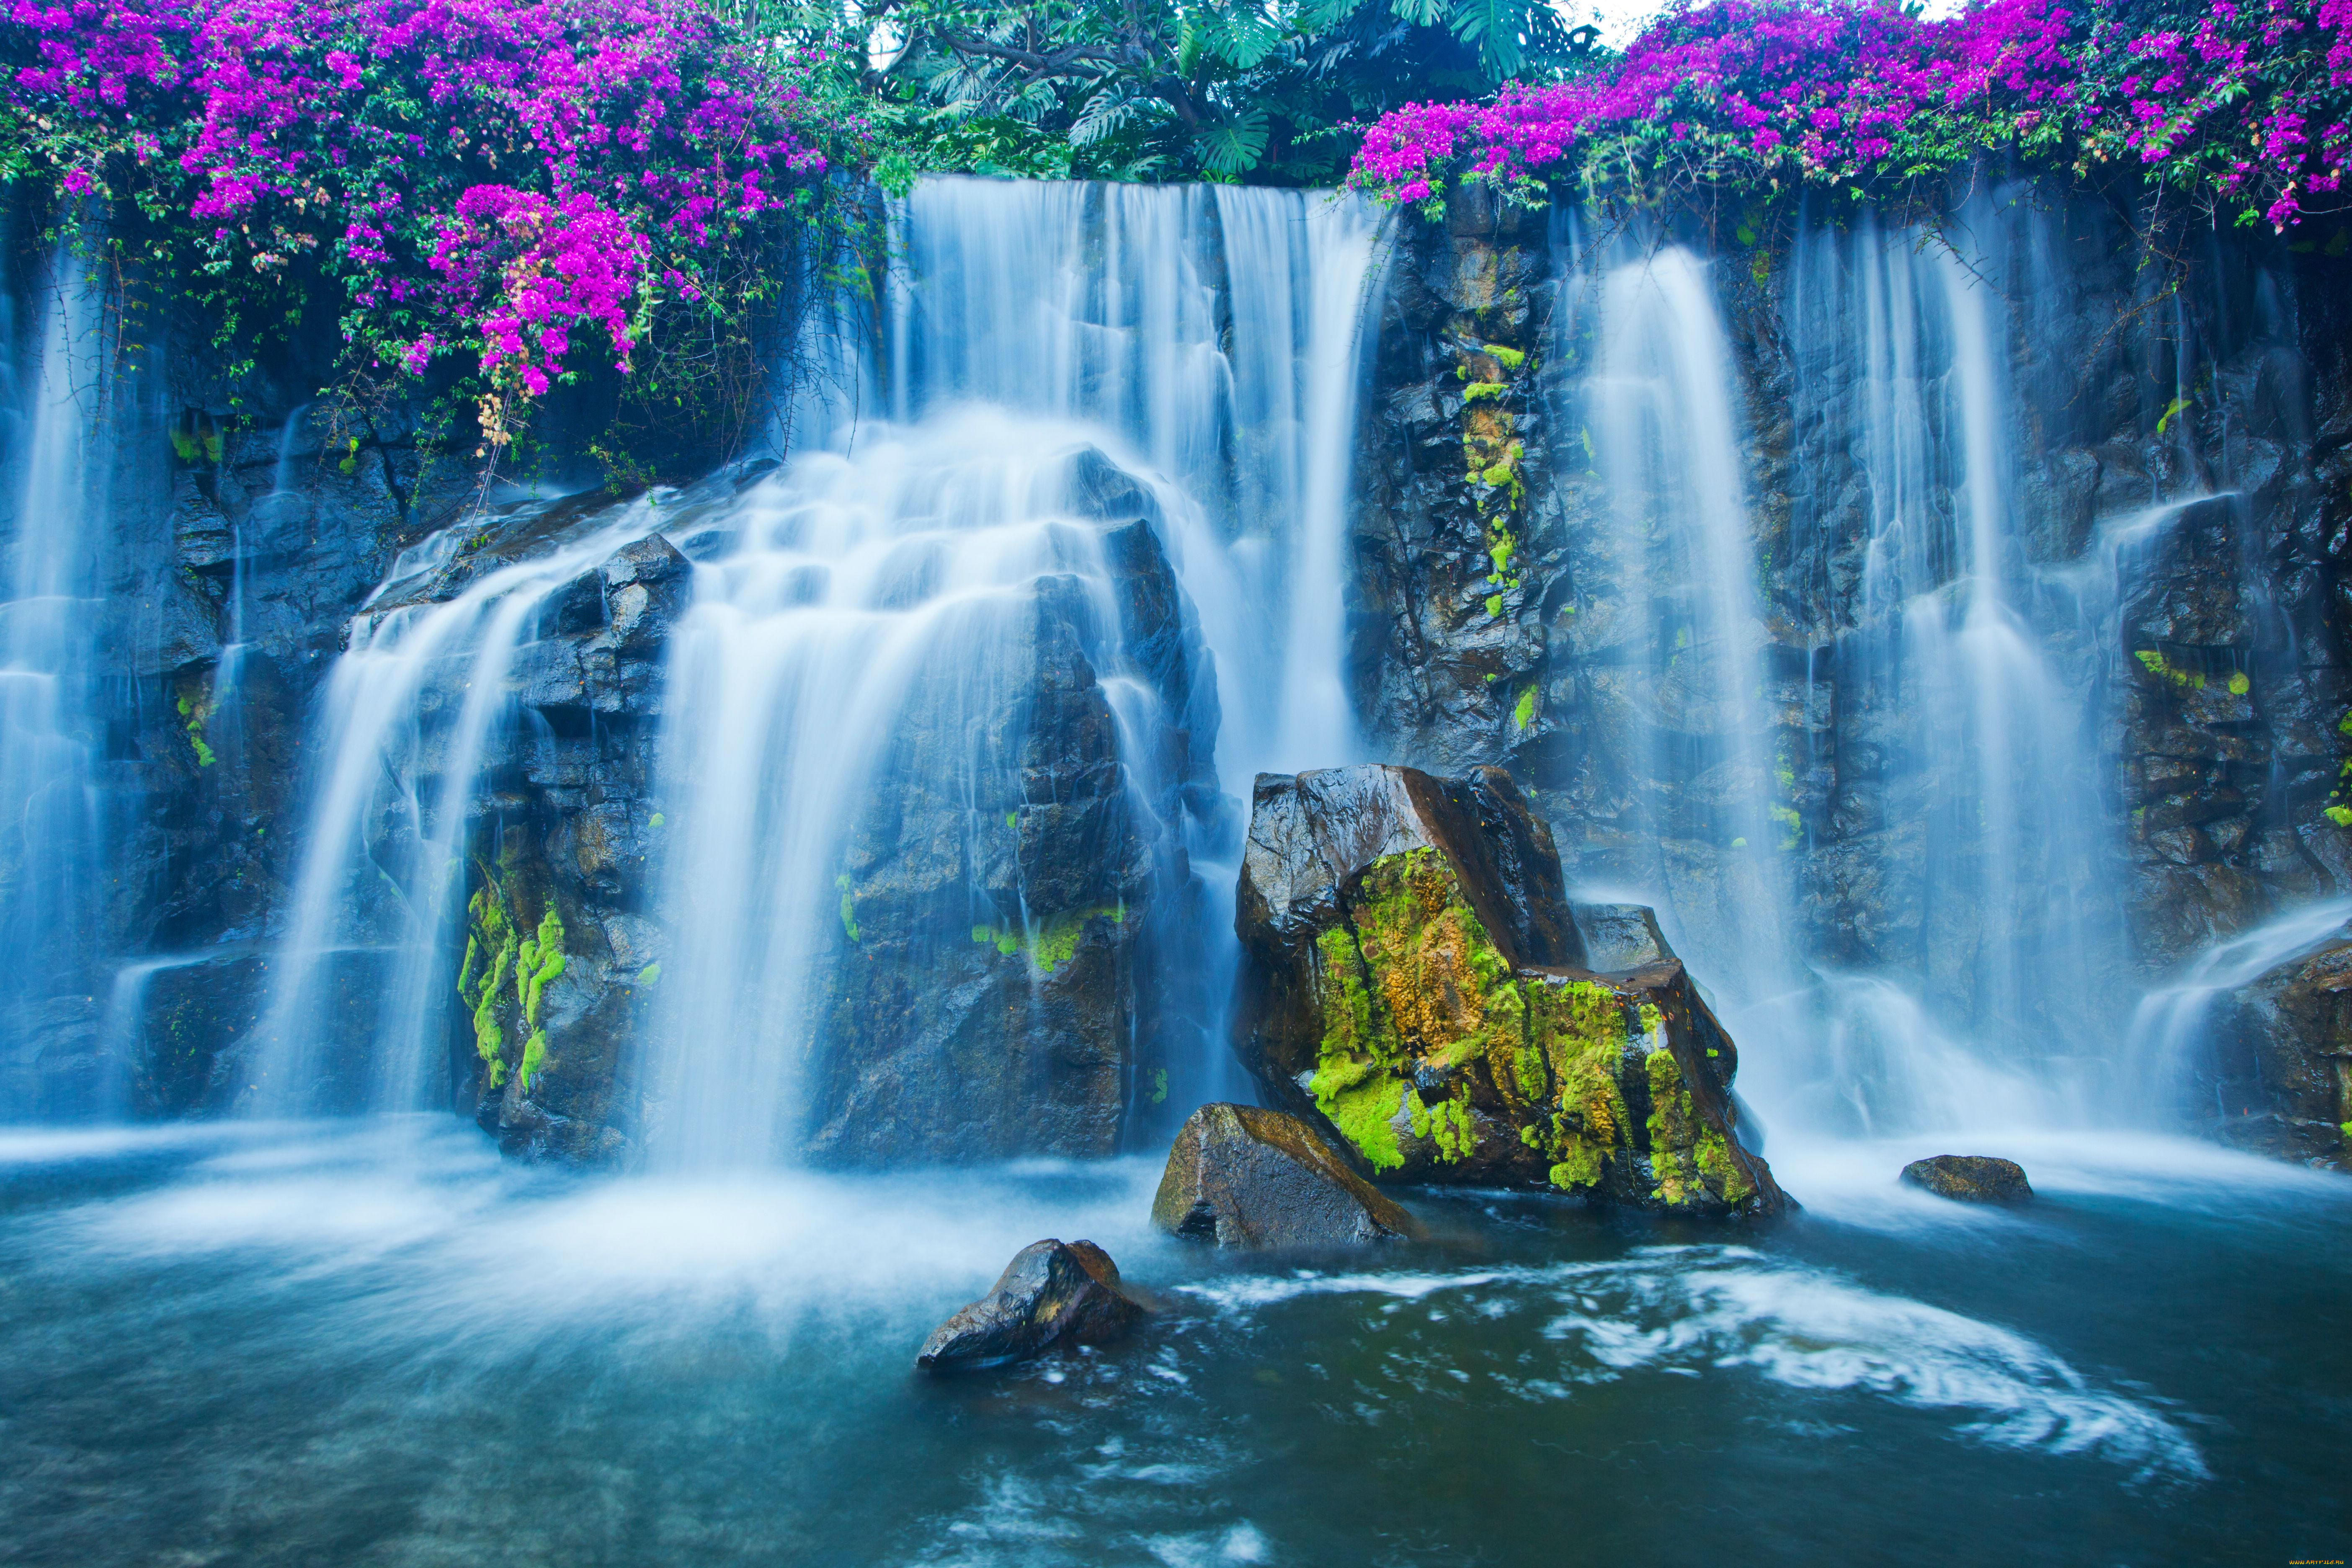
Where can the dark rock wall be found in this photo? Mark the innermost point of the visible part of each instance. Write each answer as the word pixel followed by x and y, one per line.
pixel 1484 630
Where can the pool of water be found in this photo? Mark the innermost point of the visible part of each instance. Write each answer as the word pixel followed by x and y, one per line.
pixel 377 1343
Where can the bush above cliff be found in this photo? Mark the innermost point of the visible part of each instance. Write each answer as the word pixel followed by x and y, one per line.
pixel 2242 108
pixel 524 187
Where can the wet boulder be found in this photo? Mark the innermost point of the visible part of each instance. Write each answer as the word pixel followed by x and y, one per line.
pixel 1052 1293
pixel 1243 1177
pixel 2273 1073
pixel 1970 1178
pixel 1414 981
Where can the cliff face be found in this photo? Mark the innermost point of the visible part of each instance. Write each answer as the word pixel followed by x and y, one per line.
pixel 2001 652
pixel 2000 646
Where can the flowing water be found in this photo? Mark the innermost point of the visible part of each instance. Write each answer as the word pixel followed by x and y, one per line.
pixel 370 1340
pixel 52 738
pixel 379 1344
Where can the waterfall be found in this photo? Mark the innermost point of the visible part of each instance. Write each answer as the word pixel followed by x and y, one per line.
pixel 2168 1026
pixel 360 980
pixel 871 806
pixel 51 736
pixel 959 726
pixel 1958 958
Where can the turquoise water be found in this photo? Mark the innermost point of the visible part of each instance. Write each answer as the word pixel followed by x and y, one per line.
pixel 375 1343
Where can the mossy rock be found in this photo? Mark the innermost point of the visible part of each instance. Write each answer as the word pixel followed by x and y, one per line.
pixel 1415 983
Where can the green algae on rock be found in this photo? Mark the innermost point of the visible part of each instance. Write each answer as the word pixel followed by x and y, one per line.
pixel 1415 980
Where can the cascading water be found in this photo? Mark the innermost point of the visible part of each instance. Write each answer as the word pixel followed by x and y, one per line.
pixel 360 980
pixel 2015 913
pixel 51 738
pixel 1685 701
pixel 901 819
pixel 1982 978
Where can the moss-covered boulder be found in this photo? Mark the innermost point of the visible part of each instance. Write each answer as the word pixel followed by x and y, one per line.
pixel 1414 980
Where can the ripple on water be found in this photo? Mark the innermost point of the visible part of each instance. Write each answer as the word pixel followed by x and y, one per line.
pixel 1692 1310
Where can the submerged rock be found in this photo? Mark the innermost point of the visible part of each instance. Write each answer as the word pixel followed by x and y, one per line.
pixel 1243 1177
pixel 1970 1178
pixel 1414 981
pixel 1052 1293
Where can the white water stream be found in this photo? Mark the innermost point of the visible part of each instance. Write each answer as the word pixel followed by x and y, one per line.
pixel 51 620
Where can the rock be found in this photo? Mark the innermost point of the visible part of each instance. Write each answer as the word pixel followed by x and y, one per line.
pixel 1052 1293
pixel 2275 1072
pixel 1970 1178
pixel 1412 980
pixel 1243 1177
pixel 1621 936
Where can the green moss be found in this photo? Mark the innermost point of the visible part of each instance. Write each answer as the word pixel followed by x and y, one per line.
pixel 1364 1109
pixel 492 946
pixel 1510 359
pixel 195 707
pixel 1057 942
pixel 1673 1126
pixel 2340 815
pixel 649 976
pixel 539 960
pixel 1577 1164
pixel 2240 683
pixel 1495 604
pixel 1160 1086
pixel 1478 391
pixel 1525 713
pixel 848 907
pixel 1052 942
pixel 1527 1074
pixel 1448 1124
pixel 2155 663
pixel 534 1057
pixel 1715 1162
pixel 656 820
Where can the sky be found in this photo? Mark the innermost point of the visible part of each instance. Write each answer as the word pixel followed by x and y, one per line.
pixel 1619 20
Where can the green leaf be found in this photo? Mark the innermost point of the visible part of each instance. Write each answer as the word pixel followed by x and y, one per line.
pixel 1493 25
pixel 1232 146
pixel 1420 12
pixel 1242 41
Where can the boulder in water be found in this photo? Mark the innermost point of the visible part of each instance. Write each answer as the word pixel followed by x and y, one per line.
pixel 1970 1178
pixel 1052 1293
pixel 1243 1177
pixel 1414 981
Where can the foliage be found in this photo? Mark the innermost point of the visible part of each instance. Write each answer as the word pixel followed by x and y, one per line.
pixel 502 183
pixel 1222 89
pixel 2244 104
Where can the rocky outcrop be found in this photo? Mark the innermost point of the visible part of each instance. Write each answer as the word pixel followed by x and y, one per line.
pixel 1053 1294
pixel 1243 1177
pixel 1011 992
pixel 2276 1073
pixel 1412 980
pixel 1970 1178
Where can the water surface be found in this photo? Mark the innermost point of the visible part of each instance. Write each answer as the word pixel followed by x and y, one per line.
pixel 375 1343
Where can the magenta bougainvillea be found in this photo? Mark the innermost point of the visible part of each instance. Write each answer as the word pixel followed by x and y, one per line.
pixel 2246 104
pixel 492 178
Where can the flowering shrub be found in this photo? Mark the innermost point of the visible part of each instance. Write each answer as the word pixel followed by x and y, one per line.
pixel 485 178
pixel 2247 103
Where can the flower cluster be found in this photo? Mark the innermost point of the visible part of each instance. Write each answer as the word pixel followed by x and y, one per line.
pixel 2245 100
pixel 484 174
